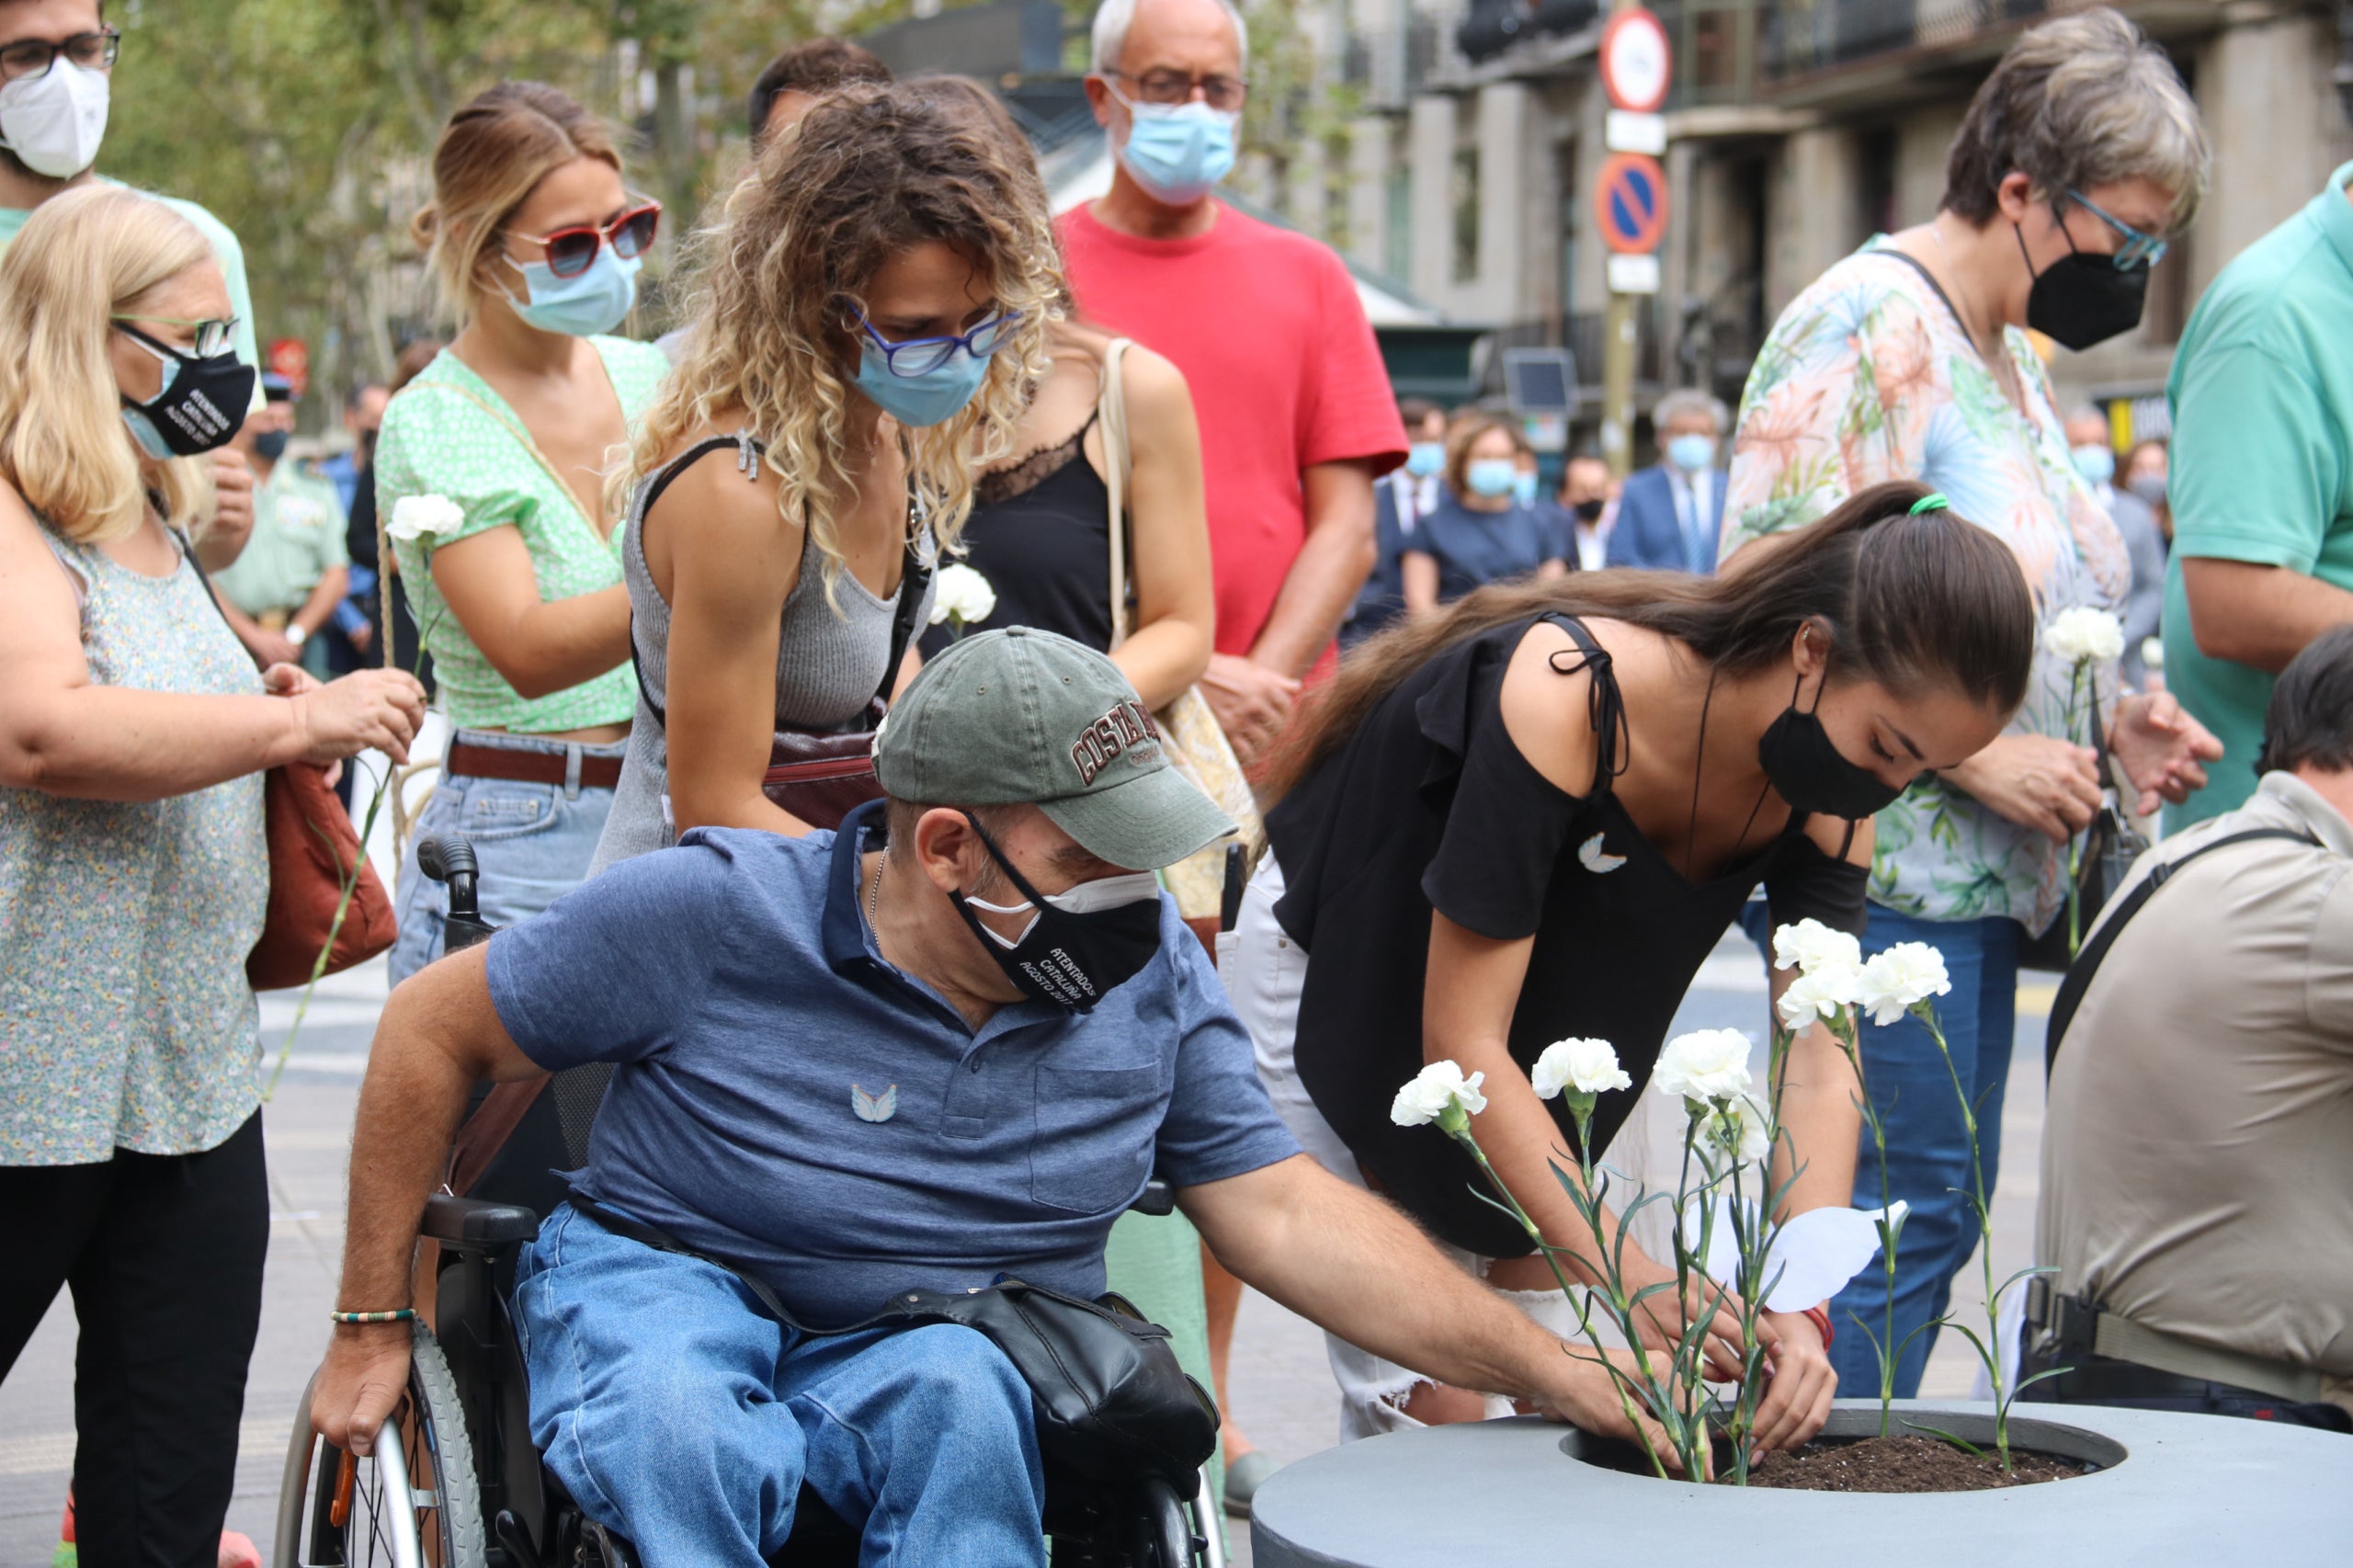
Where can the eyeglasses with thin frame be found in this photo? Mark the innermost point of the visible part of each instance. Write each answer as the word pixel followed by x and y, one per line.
pixel 211 337
pixel 2138 249
pixel 572 250
pixel 1169 89
pixel 921 356
pixel 34 56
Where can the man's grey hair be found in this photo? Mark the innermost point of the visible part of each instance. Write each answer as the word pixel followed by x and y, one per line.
pixel 1684 402
pixel 1113 17
pixel 2083 411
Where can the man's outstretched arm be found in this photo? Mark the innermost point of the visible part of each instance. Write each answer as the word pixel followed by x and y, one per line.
pixel 438 1035
pixel 1355 1265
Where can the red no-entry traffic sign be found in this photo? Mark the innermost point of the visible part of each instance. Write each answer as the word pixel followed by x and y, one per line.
pixel 1629 203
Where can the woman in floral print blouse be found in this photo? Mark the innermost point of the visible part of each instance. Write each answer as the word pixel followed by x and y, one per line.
pixel 1911 360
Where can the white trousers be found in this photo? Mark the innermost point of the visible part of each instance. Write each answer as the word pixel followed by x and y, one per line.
pixel 1265 972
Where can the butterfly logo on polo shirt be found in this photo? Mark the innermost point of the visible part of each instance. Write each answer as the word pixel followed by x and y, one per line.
pixel 1591 855
pixel 874 1108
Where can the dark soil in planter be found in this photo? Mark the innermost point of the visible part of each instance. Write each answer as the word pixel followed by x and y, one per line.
pixel 1903 1464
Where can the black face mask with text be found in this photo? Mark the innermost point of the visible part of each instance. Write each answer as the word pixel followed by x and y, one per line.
pixel 1079 945
pixel 2082 299
pixel 1810 774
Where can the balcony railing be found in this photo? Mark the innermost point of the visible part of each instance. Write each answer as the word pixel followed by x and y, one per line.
pixel 1804 36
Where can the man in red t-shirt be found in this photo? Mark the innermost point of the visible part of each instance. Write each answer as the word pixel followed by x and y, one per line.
pixel 1296 414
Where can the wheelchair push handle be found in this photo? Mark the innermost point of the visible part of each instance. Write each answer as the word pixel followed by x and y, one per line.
pixel 452 861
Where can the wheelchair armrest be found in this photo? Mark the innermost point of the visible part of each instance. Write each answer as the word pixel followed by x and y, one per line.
pixel 474 1224
pixel 1157 1199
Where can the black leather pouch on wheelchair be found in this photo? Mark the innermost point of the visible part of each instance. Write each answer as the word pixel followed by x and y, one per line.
pixel 1110 1401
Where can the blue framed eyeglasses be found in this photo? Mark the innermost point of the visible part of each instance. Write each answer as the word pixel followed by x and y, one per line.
pixel 921 356
pixel 2138 249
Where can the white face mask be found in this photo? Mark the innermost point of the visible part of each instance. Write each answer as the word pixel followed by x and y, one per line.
pixel 55 121
pixel 1087 898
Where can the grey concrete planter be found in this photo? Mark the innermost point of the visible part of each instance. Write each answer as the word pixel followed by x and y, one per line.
pixel 2177 1490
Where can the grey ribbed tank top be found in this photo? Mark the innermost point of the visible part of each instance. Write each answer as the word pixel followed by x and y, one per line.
pixel 829 664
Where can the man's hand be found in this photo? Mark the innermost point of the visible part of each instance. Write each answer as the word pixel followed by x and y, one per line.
pixel 271 648
pixel 2051 786
pixel 1797 1400
pixel 223 539
pixel 1252 703
pixel 1587 1397
pixel 1661 1324
pixel 360 636
pixel 360 1383
pixel 2162 749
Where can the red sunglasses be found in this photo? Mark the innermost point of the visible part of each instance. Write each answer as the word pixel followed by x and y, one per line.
pixel 570 251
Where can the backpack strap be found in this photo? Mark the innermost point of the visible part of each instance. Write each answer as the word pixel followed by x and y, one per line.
pixel 2079 974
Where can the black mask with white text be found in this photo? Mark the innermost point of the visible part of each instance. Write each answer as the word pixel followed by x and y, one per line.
pixel 1070 958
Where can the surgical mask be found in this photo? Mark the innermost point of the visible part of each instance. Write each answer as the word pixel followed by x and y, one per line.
pixel 1176 152
pixel 931 397
pixel 1491 477
pixel 55 121
pixel 1692 453
pixel 1423 459
pixel 1078 945
pixel 592 302
pixel 2096 463
pixel 1810 774
pixel 200 406
pixel 1523 489
pixel 1589 511
pixel 270 445
pixel 2149 487
pixel 2082 299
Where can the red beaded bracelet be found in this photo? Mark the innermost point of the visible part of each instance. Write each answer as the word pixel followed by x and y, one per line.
pixel 1821 1321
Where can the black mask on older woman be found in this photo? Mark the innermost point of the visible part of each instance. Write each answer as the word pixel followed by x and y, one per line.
pixel 2083 298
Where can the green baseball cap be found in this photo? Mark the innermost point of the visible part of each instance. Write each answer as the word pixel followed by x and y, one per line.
pixel 1022 716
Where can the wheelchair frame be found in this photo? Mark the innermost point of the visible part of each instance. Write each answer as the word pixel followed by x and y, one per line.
pixel 456 1481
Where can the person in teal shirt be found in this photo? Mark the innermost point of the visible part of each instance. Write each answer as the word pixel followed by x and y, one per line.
pixel 2261 481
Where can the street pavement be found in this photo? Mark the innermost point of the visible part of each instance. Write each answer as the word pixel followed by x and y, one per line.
pixel 1282 1390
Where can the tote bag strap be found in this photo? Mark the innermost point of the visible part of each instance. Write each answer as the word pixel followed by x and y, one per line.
pixel 1111 410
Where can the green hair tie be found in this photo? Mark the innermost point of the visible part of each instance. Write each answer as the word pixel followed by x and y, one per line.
pixel 1935 502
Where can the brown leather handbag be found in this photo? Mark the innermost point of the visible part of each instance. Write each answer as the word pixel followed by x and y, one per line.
pixel 312 847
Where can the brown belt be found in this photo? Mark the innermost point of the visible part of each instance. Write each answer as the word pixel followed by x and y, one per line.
pixel 469 760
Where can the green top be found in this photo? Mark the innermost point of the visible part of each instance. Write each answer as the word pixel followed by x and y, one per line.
pixel 2262 459
pixel 224 245
pixel 447 434
pixel 297 539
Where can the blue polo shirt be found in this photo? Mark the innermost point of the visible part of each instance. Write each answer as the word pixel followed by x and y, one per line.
pixel 735 980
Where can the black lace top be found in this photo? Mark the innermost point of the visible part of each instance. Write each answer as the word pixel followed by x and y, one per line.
pixel 1041 533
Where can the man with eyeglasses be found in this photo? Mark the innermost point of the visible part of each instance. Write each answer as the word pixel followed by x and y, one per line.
pixel 1296 412
pixel 57 61
pixel 2260 482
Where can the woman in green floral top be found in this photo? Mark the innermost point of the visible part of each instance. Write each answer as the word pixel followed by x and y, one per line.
pixel 489 475
pixel 1911 360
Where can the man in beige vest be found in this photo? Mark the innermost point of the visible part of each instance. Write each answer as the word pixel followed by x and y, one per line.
pixel 2197 1152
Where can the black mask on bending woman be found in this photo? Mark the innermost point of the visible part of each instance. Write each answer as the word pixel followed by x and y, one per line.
pixel 2082 299
pixel 1810 774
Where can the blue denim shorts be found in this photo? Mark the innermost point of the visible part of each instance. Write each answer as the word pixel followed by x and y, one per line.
pixel 533 842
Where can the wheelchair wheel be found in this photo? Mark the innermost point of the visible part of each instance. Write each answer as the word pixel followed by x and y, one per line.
pixel 1162 1533
pixel 412 1504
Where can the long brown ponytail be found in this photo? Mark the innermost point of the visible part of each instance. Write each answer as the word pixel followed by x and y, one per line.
pixel 1912 601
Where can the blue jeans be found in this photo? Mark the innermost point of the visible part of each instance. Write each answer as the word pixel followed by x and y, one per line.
pixel 533 842
pixel 1928 1147
pixel 677 1411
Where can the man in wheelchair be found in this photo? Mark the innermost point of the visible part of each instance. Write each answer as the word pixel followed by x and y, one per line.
pixel 949 1043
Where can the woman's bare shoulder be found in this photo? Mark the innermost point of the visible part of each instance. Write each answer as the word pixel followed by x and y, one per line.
pixel 1548 710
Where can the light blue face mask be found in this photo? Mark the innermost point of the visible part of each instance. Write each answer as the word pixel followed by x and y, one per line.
pixel 1692 453
pixel 1492 477
pixel 1423 459
pixel 596 301
pixel 932 397
pixel 1177 152
pixel 2096 464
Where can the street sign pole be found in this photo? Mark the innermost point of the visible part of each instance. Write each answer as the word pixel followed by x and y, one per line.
pixel 1634 72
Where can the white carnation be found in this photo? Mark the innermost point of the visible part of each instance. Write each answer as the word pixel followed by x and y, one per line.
pixel 960 592
pixel 1707 1064
pixel 1588 1066
pixel 1820 993
pixel 1810 945
pixel 1435 1090
pixel 1900 979
pixel 2083 634
pixel 417 517
pixel 1742 1128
